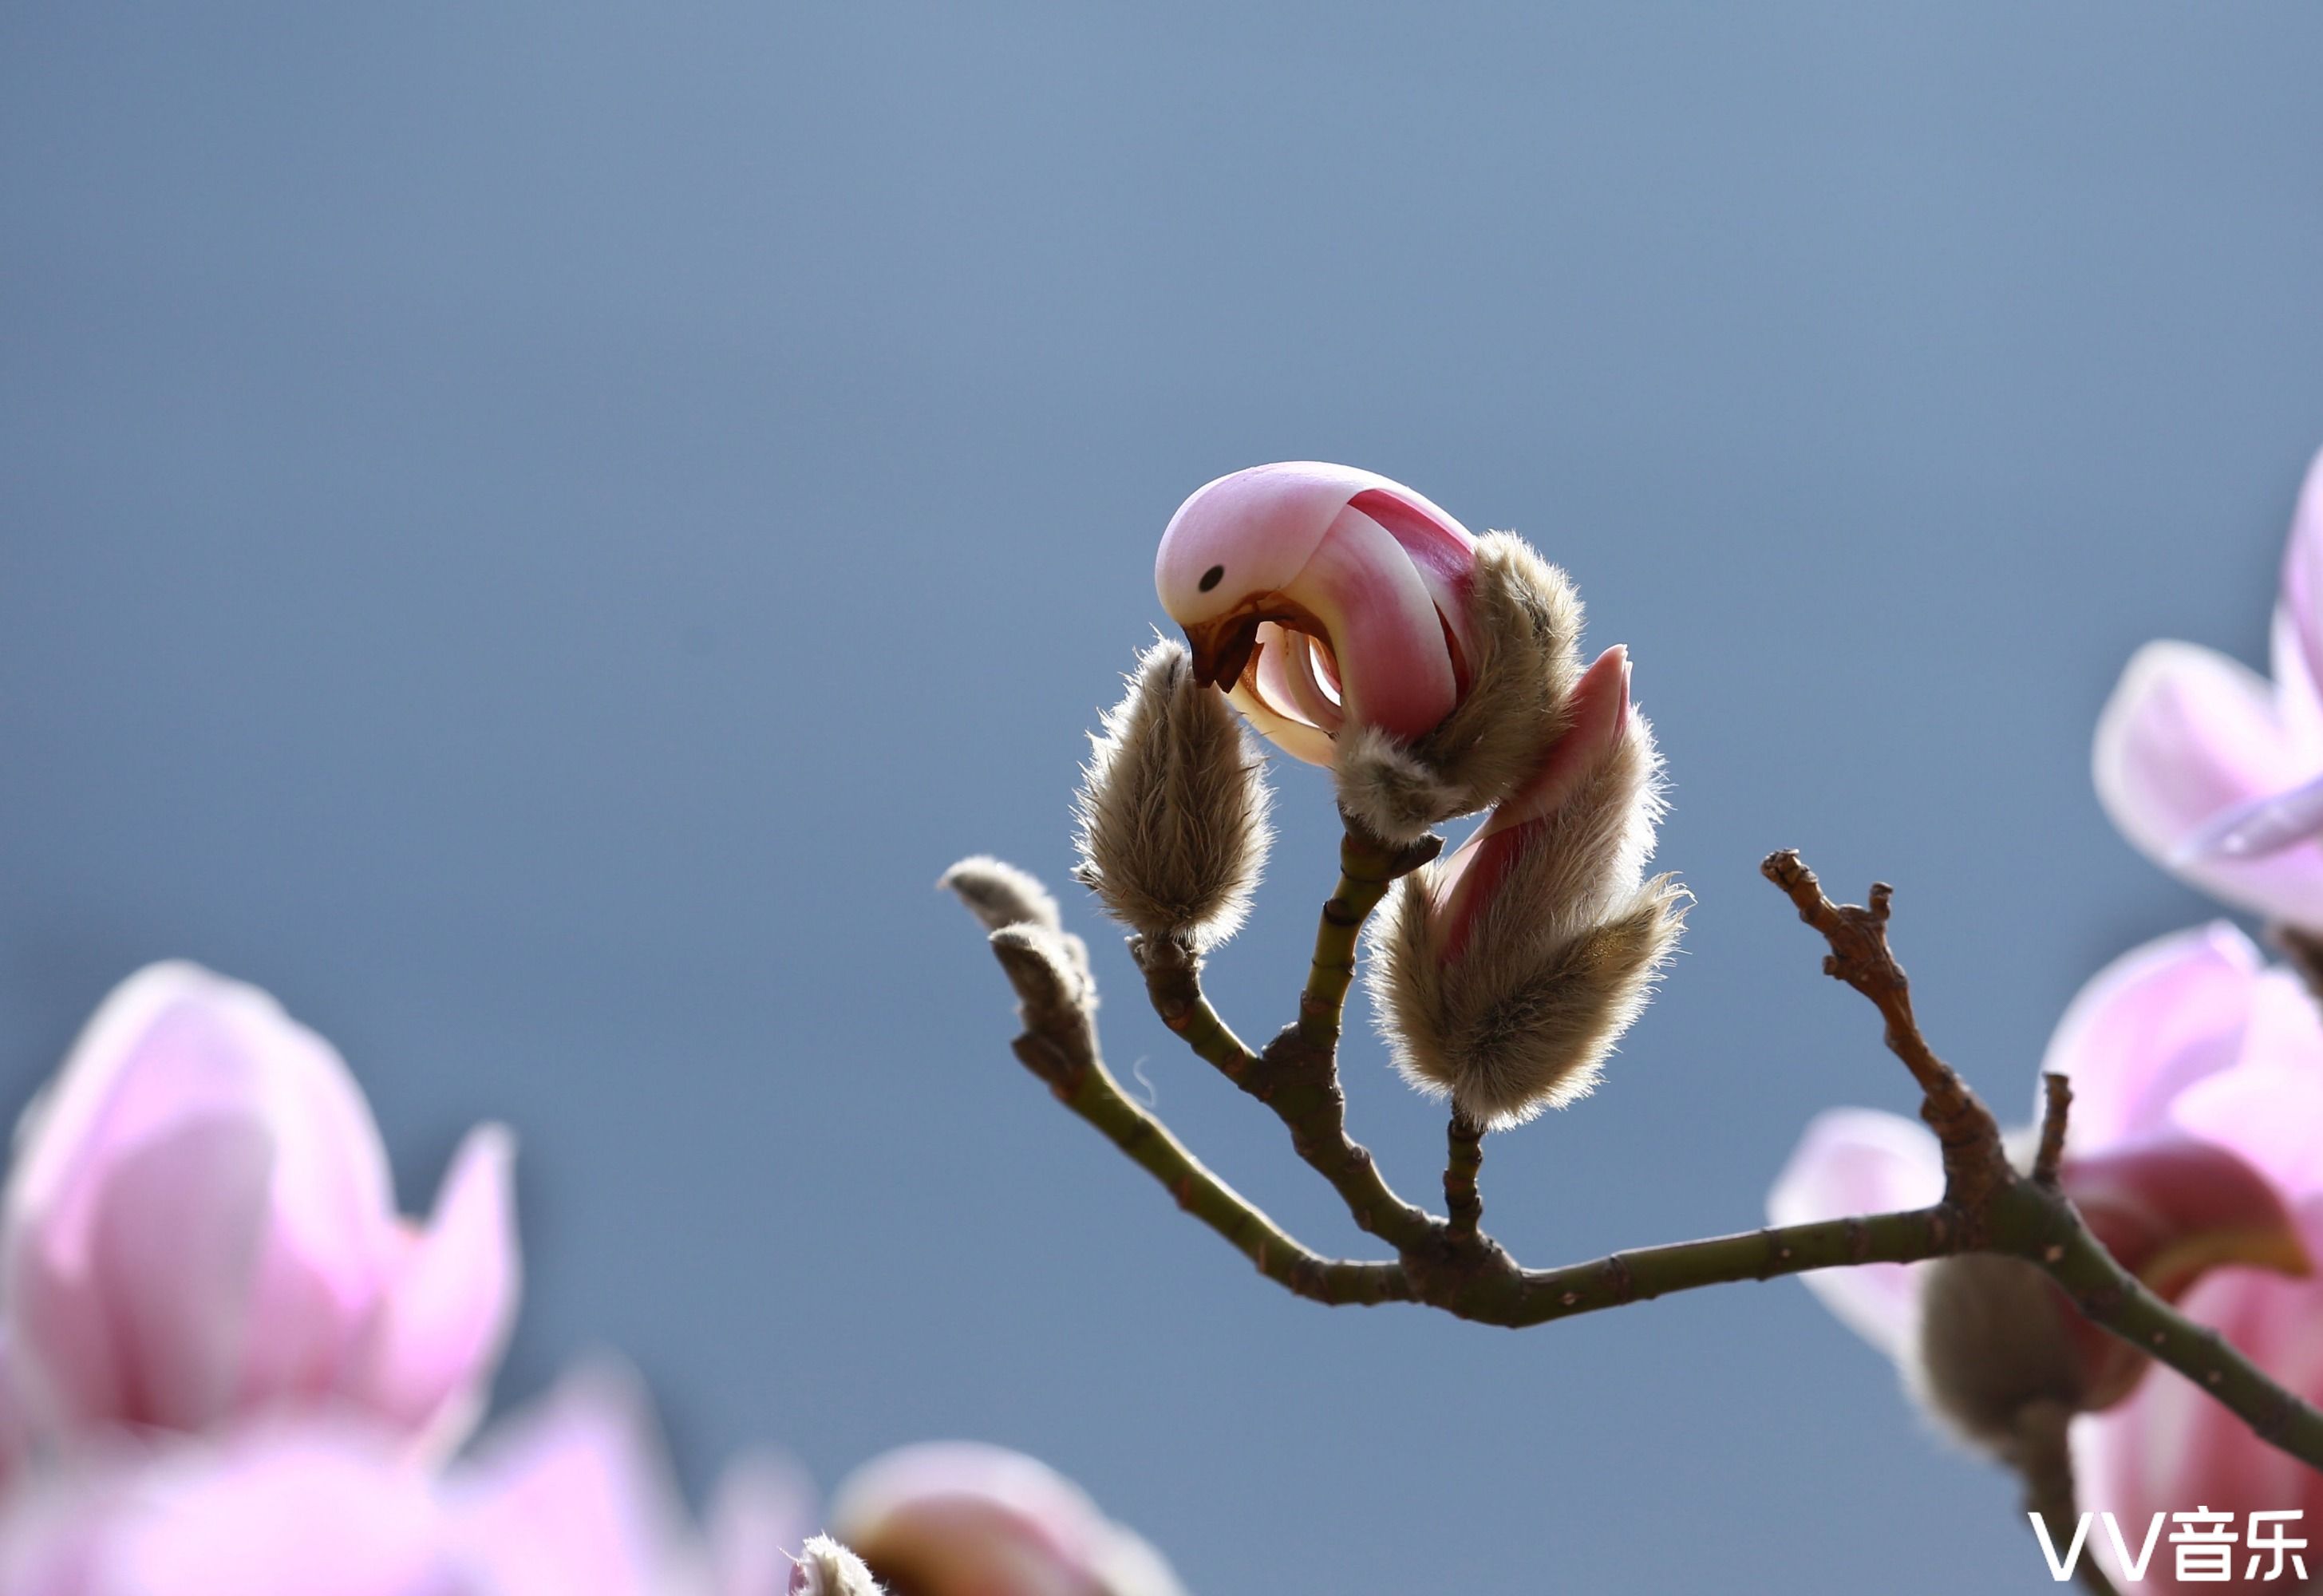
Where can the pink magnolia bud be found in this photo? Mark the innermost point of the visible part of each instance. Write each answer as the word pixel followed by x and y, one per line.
pixel 198 1226
pixel 1505 974
pixel 1359 626
pixel 956 1518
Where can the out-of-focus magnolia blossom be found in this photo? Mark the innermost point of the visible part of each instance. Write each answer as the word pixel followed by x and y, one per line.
pixel 2198 1112
pixel 956 1518
pixel 2215 773
pixel 199 1226
pixel 572 1498
pixel 1359 626
pixel 221 1348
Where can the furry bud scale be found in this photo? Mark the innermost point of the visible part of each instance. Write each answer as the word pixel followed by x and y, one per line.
pixel 826 1568
pixel 1524 629
pixel 1503 976
pixel 1172 807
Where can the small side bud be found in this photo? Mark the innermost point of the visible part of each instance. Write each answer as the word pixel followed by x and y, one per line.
pixel 826 1568
pixel 1503 976
pixel 1172 807
pixel 1998 1338
pixel 1524 660
pixel 1049 970
pixel 1995 1337
pixel 1000 896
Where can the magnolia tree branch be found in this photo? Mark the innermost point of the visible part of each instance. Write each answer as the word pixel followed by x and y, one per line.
pixel 1452 1264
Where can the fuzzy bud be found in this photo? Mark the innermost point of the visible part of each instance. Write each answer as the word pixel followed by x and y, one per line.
pixel 826 1568
pixel 1172 807
pixel 1504 975
pixel 1001 896
pixel 1523 660
pixel 998 894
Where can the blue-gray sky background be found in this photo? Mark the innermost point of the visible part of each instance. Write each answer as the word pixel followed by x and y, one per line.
pixel 537 532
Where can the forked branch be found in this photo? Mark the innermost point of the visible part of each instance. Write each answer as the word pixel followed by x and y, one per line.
pixel 1452 1263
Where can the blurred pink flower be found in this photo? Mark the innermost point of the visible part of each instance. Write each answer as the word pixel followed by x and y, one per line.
pixel 2217 774
pixel 958 1519
pixel 302 1506
pixel 2187 1048
pixel 1350 590
pixel 198 1226
pixel 570 1498
pixel 574 1497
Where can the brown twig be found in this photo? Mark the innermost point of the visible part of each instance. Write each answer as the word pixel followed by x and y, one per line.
pixel 1453 1265
pixel 2056 1104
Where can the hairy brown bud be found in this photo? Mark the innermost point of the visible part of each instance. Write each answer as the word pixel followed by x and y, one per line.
pixel 1525 618
pixel 1172 807
pixel 1503 976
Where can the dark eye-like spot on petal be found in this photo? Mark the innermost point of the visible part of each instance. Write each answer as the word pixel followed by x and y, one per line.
pixel 1212 577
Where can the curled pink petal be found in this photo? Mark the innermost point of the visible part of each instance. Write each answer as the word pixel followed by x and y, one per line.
pixel 1853 1161
pixel 958 1519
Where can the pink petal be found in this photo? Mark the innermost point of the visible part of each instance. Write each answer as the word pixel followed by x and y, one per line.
pixel 174 1047
pixel 2302 574
pixel 1862 1160
pixel 15 1419
pixel 143 1322
pixel 306 1516
pixel 1466 884
pixel 2269 1108
pixel 2258 829
pixel 958 1519
pixel 2297 698
pixel 574 1497
pixel 2188 735
pixel 1261 525
pixel 2148 1026
pixel 1387 635
pixel 445 1317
